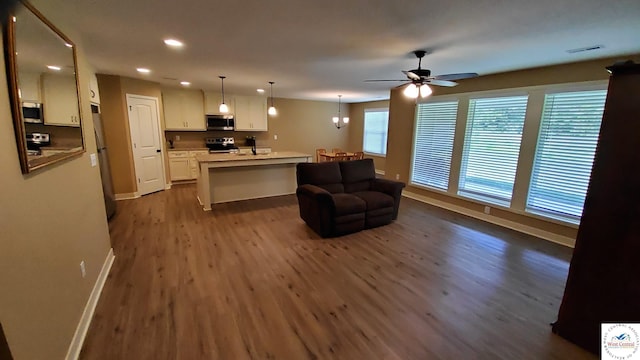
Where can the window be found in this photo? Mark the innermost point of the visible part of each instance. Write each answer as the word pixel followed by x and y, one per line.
pixel 491 148
pixel 376 122
pixel 564 155
pixel 435 128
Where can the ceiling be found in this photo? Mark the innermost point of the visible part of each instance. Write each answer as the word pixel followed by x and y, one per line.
pixel 319 49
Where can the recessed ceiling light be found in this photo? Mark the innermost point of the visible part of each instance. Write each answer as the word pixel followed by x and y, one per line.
pixel 143 70
pixel 173 42
pixel 261 91
pixel 185 83
pixel 53 67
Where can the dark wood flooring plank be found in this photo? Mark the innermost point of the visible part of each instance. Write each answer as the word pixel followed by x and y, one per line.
pixel 249 280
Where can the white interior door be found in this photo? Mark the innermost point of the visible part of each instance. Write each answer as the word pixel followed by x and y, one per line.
pixel 144 124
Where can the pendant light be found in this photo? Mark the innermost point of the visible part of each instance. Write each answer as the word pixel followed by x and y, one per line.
pixel 272 110
pixel 223 107
pixel 338 121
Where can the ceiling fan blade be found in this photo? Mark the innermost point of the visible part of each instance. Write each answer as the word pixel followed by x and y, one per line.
pixel 441 82
pixel 401 85
pixel 458 76
pixel 383 80
pixel 411 75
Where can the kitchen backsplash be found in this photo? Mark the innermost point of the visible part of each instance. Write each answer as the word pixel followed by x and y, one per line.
pixel 195 139
pixel 61 136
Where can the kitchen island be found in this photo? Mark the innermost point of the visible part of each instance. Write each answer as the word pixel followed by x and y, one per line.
pixel 241 176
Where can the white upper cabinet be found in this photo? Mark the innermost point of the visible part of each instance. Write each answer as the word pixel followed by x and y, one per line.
pixel 29 87
pixel 60 100
pixel 183 110
pixel 251 113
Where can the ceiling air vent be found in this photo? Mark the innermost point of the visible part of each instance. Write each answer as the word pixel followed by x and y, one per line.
pixel 588 48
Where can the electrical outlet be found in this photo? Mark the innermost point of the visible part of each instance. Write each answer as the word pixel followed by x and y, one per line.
pixel 177 137
pixel 94 160
pixel 487 210
pixel 397 176
pixel 83 270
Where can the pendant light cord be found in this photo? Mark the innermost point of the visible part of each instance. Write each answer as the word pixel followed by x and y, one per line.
pixel 222 78
pixel 271 92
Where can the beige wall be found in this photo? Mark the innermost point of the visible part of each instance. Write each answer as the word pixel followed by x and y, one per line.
pixel 401 128
pixel 304 126
pixel 51 220
pixel 300 125
pixel 113 108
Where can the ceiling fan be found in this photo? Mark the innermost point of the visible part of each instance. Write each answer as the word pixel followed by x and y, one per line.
pixel 420 79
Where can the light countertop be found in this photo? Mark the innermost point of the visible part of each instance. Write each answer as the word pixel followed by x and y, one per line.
pixel 188 149
pixel 224 157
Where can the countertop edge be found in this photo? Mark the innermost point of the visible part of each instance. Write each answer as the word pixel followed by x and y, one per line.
pixel 239 157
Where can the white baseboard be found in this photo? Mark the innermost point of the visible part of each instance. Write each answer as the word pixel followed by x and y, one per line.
pixel 530 230
pixel 90 307
pixel 127 196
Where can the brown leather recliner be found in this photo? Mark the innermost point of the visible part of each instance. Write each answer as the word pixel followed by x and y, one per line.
pixel 338 198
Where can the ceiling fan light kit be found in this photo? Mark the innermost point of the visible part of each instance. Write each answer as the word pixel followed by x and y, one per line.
pixel 420 79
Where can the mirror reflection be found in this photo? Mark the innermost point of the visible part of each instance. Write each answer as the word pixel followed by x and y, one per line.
pixel 48 116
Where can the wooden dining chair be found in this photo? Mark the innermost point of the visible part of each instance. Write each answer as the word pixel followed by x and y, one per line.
pixel 320 158
pixel 336 150
pixel 358 155
pixel 341 156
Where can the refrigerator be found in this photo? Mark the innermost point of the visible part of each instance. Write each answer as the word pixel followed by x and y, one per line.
pixel 103 163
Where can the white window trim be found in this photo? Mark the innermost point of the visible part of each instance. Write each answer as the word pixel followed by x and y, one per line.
pixel 570 219
pixel 438 99
pixel 378 109
pixel 463 99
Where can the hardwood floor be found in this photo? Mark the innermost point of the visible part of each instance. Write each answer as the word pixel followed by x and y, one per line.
pixel 249 280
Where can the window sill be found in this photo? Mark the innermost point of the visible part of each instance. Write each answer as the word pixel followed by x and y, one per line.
pixel 524 213
pixel 376 155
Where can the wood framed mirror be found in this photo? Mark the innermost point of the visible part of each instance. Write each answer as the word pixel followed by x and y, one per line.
pixel 43 87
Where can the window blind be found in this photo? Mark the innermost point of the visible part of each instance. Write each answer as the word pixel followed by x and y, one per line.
pixel 435 129
pixel 564 154
pixel 491 148
pixel 376 122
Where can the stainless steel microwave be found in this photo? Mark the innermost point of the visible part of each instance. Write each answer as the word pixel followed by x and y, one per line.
pixel 220 122
pixel 32 112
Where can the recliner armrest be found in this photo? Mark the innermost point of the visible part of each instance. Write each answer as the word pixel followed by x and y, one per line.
pixel 316 192
pixel 387 186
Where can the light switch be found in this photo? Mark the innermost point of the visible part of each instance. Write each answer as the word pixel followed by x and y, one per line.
pixel 94 160
pixel 275 137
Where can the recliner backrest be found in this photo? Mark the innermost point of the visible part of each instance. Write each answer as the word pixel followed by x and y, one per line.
pixel 357 175
pixel 325 175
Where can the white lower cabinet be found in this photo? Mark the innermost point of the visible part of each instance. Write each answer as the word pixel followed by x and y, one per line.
pixel 183 164
pixel 179 165
pixel 193 163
